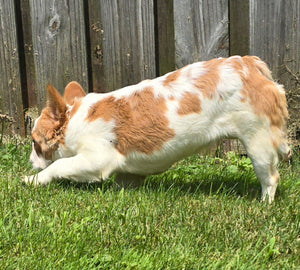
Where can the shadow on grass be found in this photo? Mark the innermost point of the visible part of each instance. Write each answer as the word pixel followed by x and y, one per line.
pixel 86 186
pixel 194 177
pixel 212 185
pixel 209 185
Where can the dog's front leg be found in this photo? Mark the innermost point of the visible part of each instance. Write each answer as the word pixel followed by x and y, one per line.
pixel 76 168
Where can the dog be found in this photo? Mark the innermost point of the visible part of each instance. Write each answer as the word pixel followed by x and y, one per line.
pixel 144 128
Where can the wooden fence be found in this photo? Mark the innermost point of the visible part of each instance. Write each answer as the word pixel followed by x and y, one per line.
pixel 108 44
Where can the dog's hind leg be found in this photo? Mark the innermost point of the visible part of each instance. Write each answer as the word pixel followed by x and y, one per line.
pixel 268 175
pixel 265 159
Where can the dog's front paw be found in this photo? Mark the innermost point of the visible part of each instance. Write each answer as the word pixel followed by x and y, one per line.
pixel 32 180
pixel 42 178
pixel 37 179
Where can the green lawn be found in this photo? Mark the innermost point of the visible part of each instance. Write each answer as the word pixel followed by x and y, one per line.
pixel 204 213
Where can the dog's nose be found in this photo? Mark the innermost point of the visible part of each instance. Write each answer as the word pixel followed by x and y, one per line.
pixel 36 164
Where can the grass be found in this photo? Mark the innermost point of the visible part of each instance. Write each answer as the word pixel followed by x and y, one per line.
pixel 204 213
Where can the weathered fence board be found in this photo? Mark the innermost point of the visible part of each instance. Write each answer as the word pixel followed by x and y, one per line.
pixel 165 42
pixel 122 42
pixel 201 30
pixel 275 37
pixel 10 82
pixel 56 46
pixel 239 27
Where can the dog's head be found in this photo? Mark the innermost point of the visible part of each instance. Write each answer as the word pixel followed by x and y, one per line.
pixel 49 129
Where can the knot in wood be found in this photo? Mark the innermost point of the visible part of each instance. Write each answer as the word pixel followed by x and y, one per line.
pixel 54 23
pixel 98 52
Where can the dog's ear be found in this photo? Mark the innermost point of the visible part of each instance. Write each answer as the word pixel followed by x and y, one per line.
pixel 55 103
pixel 73 90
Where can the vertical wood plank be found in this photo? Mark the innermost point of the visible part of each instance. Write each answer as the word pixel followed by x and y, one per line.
pixel 274 32
pixel 201 30
pixel 10 81
pixel 96 49
pixel 165 36
pixel 239 27
pixel 28 53
pixel 122 42
pixel 55 45
pixel 275 37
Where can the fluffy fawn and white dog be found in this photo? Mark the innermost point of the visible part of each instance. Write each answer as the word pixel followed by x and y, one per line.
pixel 143 129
